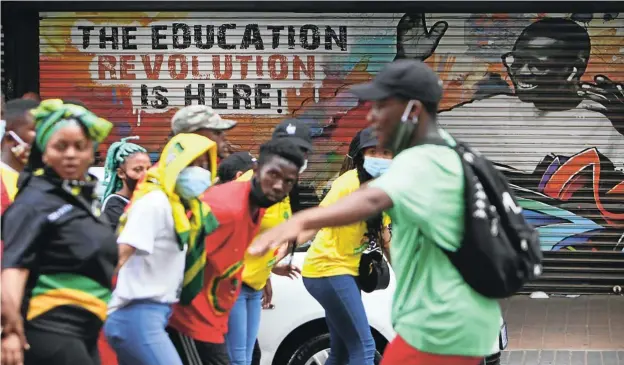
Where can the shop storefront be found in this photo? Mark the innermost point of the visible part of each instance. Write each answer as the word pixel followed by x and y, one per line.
pixel 539 92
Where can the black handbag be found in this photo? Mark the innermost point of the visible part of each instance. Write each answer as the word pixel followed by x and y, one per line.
pixel 374 271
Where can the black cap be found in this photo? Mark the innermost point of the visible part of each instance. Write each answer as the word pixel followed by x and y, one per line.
pixel 354 146
pixel 229 166
pixel 366 139
pixel 407 79
pixel 295 130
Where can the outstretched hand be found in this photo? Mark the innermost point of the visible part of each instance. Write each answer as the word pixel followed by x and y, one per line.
pixel 283 234
pixel 288 270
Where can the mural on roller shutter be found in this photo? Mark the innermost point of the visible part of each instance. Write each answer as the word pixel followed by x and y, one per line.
pixel 540 94
pixel 553 127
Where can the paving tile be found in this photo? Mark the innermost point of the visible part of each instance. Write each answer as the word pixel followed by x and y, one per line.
pixel 562 358
pixel 594 357
pixel 577 358
pixel 505 358
pixel 609 358
pixel 531 357
pixel 599 330
pixel 516 357
pixel 547 358
pixel 558 323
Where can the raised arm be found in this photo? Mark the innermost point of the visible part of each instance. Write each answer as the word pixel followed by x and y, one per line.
pixel 353 208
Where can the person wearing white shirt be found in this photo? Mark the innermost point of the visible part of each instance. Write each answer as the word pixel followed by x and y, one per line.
pixel 152 259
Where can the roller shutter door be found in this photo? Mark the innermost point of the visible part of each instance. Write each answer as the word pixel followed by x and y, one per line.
pixel 540 94
pixel 4 85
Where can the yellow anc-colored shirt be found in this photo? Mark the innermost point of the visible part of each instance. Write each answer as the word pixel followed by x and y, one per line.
pixel 9 180
pixel 258 269
pixel 337 250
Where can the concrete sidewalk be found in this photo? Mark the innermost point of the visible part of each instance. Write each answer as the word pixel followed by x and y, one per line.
pixel 560 323
pixel 547 357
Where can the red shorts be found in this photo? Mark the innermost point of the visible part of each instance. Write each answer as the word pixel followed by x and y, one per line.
pixel 399 352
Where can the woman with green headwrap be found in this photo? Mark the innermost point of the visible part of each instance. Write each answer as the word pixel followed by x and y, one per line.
pixel 125 165
pixel 59 255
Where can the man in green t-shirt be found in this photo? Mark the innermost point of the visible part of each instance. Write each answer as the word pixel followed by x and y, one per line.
pixel 438 317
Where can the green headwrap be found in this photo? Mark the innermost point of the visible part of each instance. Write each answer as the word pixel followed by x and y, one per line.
pixel 115 157
pixel 52 115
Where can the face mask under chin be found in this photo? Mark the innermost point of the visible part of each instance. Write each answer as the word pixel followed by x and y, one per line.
pixel 257 195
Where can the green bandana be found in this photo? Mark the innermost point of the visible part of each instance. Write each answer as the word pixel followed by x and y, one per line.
pixel 52 115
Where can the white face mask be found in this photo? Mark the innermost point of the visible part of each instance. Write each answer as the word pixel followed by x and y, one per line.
pixel 304 167
pixel 376 166
pixel 192 182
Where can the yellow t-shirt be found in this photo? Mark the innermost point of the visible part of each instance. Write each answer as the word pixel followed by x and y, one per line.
pixel 258 269
pixel 337 250
pixel 9 179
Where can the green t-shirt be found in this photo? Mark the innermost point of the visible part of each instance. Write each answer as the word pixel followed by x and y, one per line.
pixel 434 309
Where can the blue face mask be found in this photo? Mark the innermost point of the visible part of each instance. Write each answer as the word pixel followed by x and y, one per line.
pixel 192 182
pixel 376 166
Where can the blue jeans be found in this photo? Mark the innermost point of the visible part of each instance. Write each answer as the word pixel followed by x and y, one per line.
pixel 243 326
pixel 351 340
pixel 137 334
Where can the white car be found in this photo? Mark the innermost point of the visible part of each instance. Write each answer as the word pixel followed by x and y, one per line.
pixel 295 332
pixel 99 173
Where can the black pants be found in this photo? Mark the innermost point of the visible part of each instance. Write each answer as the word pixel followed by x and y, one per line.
pixel 55 349
pixel 194 352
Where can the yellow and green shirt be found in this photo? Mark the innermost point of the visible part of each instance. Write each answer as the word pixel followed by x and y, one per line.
pixel 337 250
pixel 8 179
pixel 258 269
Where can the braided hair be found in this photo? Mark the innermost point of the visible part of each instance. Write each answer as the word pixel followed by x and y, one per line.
pixel 355 160
pixel 117 154
pixel 374 224
pixel 347 163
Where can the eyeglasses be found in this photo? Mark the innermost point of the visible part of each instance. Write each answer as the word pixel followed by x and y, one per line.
pixel 535 66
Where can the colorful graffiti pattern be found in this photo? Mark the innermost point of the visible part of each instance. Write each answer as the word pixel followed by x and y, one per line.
pixel 571 189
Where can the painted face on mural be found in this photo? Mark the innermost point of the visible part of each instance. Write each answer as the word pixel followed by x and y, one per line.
pixel 547 61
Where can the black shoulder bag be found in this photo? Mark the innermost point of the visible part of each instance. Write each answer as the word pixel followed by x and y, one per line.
pixel 374 271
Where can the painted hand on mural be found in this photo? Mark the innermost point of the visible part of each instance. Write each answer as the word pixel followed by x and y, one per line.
pixel 415 40
pixel 610 96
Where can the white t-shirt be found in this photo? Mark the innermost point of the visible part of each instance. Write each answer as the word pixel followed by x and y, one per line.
pixel 156 270
pixel 517 134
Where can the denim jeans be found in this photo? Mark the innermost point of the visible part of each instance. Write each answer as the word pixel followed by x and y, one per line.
pixel 137 334
pixel 351 340
pixel 243 326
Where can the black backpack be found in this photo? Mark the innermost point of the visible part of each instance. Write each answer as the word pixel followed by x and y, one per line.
pixel 500 251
